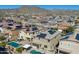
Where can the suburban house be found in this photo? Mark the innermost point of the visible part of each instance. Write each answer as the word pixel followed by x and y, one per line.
pixel 68 47
pixel 45 41
pixel 13 35
pixel 24 35
pixel 63 26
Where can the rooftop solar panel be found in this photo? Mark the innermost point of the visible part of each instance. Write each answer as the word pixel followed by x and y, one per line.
pixel 77 36
pixel 41 35
pixel 51 32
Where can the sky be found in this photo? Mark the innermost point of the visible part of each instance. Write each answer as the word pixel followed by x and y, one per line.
pixel 72 7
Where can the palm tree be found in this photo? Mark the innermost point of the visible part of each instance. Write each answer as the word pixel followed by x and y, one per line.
pixel 70 29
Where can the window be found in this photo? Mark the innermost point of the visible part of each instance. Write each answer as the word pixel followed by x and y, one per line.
pixel 37 45
pixel 28 39
pixel 40 45
pixel 31 39
pixel 45 46
pixel 33 32
pixel 57 44
pixel 22 37
pixel 55 37
pixel 48 40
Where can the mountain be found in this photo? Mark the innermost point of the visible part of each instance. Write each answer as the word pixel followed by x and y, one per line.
pixel 24 10
pixel 32 9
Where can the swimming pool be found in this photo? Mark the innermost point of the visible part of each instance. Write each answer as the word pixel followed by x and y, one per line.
pixel 35 52
pixel 14 44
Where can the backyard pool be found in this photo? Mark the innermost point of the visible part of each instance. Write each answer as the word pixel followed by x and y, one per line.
pixel 35 52
pixel 14 44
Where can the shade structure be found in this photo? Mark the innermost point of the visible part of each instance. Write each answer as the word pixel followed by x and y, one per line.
pixel 27 46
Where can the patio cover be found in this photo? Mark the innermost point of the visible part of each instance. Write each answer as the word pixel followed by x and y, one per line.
pixel 27 46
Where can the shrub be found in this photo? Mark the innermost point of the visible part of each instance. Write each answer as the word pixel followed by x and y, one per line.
pixel 19 50
pixel 2 38
pixel 3 44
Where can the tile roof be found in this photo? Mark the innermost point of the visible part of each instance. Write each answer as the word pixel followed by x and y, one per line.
pixel 16 33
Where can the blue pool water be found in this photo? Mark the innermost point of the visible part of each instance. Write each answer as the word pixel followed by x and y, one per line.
pixel 35 52
pixel 77 36
pixel 14 44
